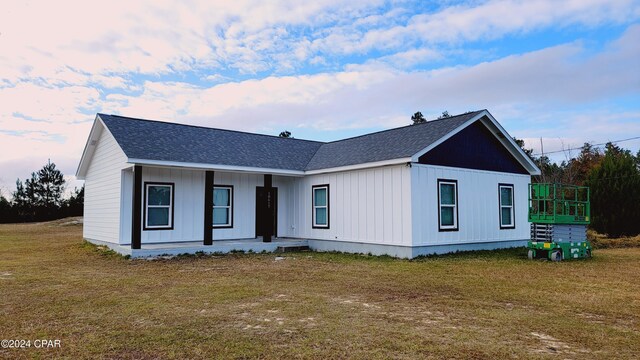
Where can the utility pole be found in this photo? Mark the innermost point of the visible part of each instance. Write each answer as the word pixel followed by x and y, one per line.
pixel 541 161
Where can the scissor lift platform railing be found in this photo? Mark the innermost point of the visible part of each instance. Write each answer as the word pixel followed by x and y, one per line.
pixel 559 215
pixel 559 204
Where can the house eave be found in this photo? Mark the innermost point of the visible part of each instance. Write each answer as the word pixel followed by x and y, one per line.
pixel 258 170
pixel 218 167
pixel 97 129
pixel 90 146
pixel 360 166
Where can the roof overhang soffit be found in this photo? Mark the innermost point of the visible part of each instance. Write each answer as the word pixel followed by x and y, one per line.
pixel 214 167
pixel 90 147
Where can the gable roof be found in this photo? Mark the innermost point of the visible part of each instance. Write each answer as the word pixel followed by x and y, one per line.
pixel 162 143
pixel 390 144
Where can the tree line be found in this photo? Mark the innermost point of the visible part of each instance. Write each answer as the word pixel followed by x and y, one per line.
pixel 41 198
pixel 613 177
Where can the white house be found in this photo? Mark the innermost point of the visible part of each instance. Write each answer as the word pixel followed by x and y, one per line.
pixel 458 183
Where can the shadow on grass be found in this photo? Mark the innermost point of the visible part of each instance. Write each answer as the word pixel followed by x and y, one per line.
pixel 103 251
pixel 508 253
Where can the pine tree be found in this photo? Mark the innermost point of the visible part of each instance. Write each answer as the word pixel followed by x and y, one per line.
pixel 418 118
pixel 615 193
pixel 22 203
pixel 49 186
pixel 520 143
pixel 5 210
pixel 445 114
pixel 75 204
pixel 40 197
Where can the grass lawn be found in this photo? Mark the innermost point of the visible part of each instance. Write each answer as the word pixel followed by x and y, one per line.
pixel 484 305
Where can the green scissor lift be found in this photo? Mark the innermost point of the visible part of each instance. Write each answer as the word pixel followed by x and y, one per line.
pixel 559 215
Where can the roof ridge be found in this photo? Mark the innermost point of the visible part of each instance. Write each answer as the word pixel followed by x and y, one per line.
pixel 209 128
pixel 402 127
pixel 296 139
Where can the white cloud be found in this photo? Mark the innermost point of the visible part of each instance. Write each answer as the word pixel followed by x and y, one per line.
pixel 403 60
pixel 496 18
pixel 63 61
pixel 60 41
pixel 561 76
pixel 478 21
pixel 154 37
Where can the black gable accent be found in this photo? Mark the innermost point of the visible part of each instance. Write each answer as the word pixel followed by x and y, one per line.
pixel 475 147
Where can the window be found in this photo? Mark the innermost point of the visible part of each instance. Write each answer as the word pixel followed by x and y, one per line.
pixel 507 220
pixel 447 205
pixel 158 210
pixel 320 203
pixel 222 206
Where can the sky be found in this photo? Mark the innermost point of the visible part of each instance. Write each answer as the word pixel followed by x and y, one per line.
pixel 564 71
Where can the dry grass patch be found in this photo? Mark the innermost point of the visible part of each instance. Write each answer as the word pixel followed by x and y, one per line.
pixel 601 241
pixel 483 305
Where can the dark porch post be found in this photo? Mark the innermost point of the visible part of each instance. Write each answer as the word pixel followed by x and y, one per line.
pixel 268 229
pixel 136 213
pixel 208 208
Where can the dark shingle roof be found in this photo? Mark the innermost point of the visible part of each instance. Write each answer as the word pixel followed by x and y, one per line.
pixel 162 141
pixel 385 145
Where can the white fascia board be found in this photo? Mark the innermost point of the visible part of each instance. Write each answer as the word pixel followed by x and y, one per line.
pixel 360 166
pixel 518 153
pixel 200 166
pixel 284 172
pixel 89 147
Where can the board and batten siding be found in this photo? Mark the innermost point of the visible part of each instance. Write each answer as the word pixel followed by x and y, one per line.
pixel 244 204
pixel 189 205
pixel 478 205
pixel 187 208
pixel 102 190
pixel 370 206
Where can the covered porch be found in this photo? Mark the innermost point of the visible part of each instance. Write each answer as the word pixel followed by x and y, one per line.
pixel 244 215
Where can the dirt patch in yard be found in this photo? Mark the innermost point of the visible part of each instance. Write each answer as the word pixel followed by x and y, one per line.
pixel 488 305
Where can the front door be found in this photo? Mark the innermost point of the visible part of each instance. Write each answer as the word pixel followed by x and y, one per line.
pixel 266 213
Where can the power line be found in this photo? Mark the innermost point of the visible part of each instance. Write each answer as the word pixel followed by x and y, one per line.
pixel 580 148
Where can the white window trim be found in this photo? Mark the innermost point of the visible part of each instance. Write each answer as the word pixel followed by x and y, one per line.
pixel 147 207
pixel 314 206
pixel 511 207
pixel 454 206
pixel 229 223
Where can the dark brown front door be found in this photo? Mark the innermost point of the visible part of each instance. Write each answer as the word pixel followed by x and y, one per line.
pixel 266 212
